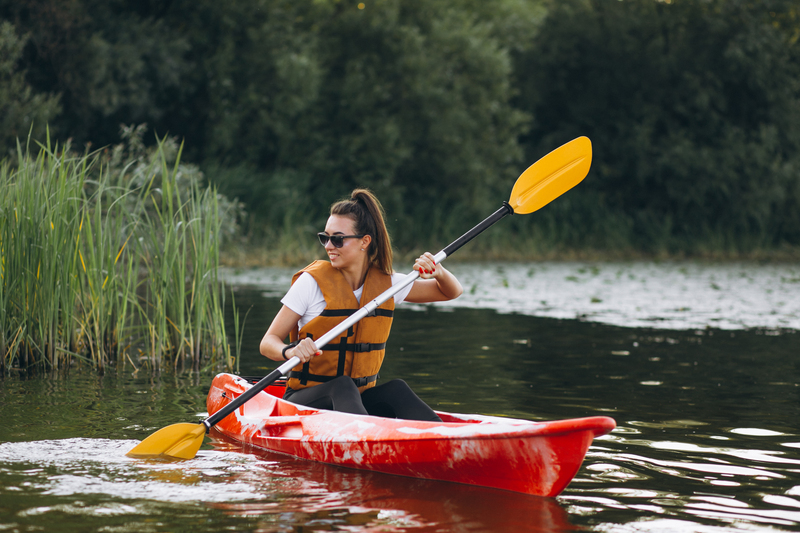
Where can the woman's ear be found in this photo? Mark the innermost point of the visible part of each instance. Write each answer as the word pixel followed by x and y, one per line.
pixel 365 241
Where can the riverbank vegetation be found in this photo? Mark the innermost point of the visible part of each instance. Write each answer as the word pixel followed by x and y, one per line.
pixel 110 258
pixel 693 107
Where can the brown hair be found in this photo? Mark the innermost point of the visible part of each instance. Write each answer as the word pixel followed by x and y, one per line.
pixel 367 214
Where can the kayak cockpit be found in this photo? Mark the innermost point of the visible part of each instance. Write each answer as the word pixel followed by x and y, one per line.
pixel 277 389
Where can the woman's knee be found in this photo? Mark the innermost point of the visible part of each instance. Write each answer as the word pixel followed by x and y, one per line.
pixel 395 399
pixel 395 386
pixel 345 395
pixel 343 384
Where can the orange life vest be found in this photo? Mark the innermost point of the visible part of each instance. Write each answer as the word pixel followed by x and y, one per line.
pixel 360 350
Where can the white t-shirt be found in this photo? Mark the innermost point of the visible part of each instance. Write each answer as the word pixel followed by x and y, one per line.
pixel 305 297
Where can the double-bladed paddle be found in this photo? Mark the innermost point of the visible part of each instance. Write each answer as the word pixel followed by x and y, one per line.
pixel 540 184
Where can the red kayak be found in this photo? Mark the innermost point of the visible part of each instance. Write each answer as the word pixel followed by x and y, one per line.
pixel 538 458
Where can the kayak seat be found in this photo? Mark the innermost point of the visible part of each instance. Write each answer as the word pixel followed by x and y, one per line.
pixel 276 388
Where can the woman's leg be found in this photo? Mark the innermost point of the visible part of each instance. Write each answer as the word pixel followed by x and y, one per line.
pixel 395 399
pixel 339 394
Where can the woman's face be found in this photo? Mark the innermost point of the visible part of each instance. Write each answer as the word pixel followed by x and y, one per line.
pixel 351 251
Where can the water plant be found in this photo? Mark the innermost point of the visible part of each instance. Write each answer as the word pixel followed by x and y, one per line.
pixel 110 258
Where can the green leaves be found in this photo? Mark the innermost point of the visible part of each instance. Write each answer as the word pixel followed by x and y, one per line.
pixel 692 107
pixel 409 98
pixel 694 112
pixel 110 259
pixel 22 110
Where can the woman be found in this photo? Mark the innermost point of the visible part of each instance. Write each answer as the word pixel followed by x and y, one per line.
pixel 342 375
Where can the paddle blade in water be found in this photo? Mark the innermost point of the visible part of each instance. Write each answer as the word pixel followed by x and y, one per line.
pixel 180 441
pixel 552 176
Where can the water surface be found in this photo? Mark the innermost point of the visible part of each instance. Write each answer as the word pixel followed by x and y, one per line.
pixel 707 436
pixel 664 295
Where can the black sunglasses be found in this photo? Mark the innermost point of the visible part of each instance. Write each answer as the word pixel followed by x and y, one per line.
pixel 336 240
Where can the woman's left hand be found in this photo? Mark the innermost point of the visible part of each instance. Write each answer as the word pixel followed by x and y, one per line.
pixel 442 285
pixel 426 266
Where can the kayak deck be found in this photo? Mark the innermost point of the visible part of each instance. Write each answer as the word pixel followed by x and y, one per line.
pixel 538 458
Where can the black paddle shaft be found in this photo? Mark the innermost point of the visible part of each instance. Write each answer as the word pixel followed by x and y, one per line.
pixel 480 228
pixel 265 382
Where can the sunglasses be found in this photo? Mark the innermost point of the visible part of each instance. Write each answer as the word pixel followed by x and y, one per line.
pixel 336 240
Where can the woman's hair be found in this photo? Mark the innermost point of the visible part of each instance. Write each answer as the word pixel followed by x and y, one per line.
pixel 367 214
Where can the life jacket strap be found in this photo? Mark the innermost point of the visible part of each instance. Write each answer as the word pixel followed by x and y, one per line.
pixel 358 347
pixel 360 382
pixel 342 347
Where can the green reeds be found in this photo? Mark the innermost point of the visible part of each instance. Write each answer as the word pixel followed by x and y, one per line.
pixel 108 261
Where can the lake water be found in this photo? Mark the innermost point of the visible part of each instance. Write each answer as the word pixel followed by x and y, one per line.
pixel 698 364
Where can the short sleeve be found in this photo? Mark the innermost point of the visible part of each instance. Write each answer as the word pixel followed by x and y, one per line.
pixel 305 298
pixel 400 296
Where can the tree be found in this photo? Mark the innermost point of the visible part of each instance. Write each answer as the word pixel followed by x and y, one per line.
pixel 111 62
pixel 694 110
pixel 409 98
pixel 23 112
pixel 299 102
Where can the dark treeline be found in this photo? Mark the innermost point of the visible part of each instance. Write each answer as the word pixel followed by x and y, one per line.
pixel 693 107
pixel 694 111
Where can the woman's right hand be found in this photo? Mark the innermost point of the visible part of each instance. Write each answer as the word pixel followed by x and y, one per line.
pixel 303 351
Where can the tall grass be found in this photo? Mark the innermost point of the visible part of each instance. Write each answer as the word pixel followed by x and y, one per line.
pixel 109 258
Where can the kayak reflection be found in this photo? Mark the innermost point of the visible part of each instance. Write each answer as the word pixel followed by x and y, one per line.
pixel 310 495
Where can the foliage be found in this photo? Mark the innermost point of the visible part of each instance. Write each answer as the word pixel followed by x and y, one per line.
pixel 104 257
pixel 409 98
pixel 22 111
pixel 694 111
pixel 692 106
pixel 109 62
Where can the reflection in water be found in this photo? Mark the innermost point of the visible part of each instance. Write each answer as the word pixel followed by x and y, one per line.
pixel 341 495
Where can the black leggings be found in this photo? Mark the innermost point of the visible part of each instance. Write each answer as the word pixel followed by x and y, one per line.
pixel 393 399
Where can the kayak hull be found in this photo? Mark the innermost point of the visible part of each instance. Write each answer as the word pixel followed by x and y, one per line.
pixel 538 458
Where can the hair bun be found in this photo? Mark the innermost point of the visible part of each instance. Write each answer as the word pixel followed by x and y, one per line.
pixel 367 214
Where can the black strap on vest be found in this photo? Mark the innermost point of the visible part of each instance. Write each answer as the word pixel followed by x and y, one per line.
pixel 304 378
pixel 358 347
pixel 342 355
pixel 342 347
pixel 303 375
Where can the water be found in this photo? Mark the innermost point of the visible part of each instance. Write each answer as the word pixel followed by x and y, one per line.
pixel 649 295
pixel 707 414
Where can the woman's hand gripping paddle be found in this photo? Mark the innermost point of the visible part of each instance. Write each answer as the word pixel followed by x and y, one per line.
pixel 540 184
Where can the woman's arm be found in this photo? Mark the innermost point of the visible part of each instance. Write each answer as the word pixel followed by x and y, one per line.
pixel 436 283
pixel 272 344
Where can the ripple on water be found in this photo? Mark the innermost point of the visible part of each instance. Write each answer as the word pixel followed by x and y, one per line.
pixel 99 466
pixel 716 488
pixel 244 491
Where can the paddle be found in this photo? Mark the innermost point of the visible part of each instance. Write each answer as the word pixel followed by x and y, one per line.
pixel 540 184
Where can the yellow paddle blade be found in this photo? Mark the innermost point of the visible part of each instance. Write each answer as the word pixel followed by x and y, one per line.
pixel 180 441
pixel 552 176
